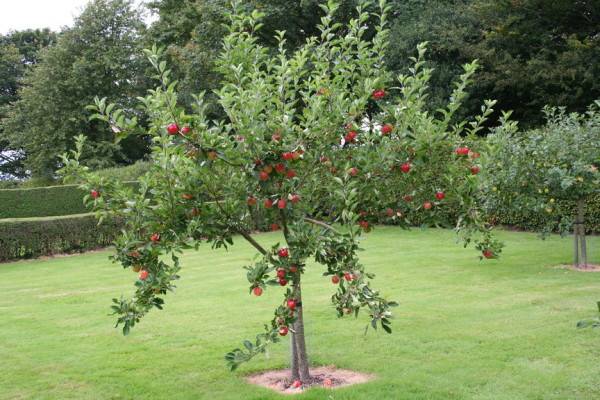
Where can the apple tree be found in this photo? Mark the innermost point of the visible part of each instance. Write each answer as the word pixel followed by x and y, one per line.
pixel 543 171
pixel 284 152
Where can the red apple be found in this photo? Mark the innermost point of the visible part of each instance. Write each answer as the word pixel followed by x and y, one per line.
pixel 251 201
pixel 283 282
pixel 487 253
pixel 364 224
pixel 94 193
pixel 172 129
pixel 462 151
pixel 280 168
pixel 293 268
pixel 186 129
pixel 291 304
pixel 281 273
pixel 348 276
pixel 350 137
pixel 281 204
pixel 290 174
pixel 389 212
pixel 408 198
pixel 263 176
pixel 440 195
pixel 353 171
pixel 386 129
pixel 327 382
pixel 287 156
pixel 335 279
pixel 475 170
pixel 257 291
pixel 294 198
pixel 276 137
pixel 427 205
pixel 155 238
pixel 283 252
pixel 268 203
pixel 297 384
pixel 405 168
pixel 143 275
pixel 274 227
pixel 283 330
pixel 378 94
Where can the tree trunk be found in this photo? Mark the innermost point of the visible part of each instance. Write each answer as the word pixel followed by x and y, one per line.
pixel 300 368
pixel 580 245
pixel 581 225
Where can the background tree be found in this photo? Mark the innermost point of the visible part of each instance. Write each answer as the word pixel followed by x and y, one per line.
pixel 97 56
pixel 192 33
pixel 18 53
pixel 546 169
pixel 531 52
pixel 284 149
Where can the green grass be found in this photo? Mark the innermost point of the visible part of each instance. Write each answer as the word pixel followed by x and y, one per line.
pixel 464 329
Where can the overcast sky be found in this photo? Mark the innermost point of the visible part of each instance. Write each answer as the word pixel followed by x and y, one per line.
pixel 24 14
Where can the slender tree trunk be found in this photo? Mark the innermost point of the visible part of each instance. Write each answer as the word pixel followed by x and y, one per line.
pixel 581 225
pixel 300 364
pixel 294 369
pixel 576 245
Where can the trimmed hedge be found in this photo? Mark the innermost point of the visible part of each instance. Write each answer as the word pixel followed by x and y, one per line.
pixel 521 219
pixel 41 202
pixel 35 237
pixel 46 201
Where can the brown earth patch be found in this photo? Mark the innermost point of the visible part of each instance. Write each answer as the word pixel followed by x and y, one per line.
pixel 588 268
pixel 328 377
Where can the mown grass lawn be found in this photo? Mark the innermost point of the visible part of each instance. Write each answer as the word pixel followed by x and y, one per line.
pixel 464 330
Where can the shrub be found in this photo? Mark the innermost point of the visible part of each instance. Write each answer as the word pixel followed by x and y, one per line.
pixel 46 201
pixel 35 237
pixel 127 173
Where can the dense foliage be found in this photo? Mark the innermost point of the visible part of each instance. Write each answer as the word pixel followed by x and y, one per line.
pixel 36 237
pixel 18 54
pixel 545 169
pixel 532 52
pixel 97 56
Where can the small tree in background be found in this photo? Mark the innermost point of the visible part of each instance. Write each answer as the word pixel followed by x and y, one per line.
pixel 544 170
pixel 286 151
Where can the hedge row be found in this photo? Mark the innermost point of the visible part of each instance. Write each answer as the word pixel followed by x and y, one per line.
pixel 46 201
pixel 35 237
pixel 535 221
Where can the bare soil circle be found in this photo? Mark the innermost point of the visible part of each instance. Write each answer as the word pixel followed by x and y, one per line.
pixel 328 377
pixel 588 268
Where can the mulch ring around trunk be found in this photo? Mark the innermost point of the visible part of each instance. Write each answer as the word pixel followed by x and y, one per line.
pixel 326 377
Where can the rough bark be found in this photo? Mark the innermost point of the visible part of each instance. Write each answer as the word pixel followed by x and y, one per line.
pixel 300 358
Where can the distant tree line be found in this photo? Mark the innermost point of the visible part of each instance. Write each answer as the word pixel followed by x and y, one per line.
pixel 531 52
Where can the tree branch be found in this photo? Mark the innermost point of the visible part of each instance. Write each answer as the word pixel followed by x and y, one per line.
pixel 253 242
pixel 321 224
